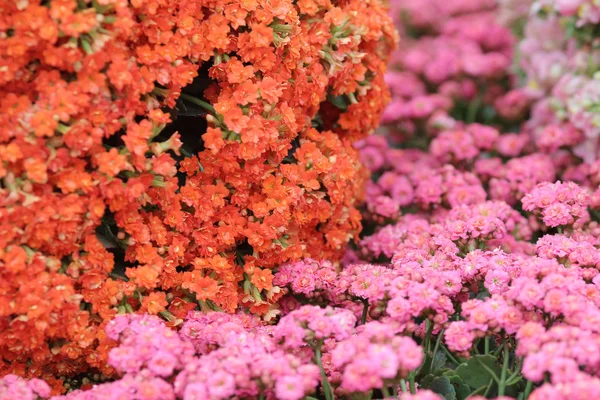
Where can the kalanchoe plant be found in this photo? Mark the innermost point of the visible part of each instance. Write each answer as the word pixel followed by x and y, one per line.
pixel 160 156
pixel 143 263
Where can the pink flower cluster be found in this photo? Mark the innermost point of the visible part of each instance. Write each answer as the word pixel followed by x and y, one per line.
pixel 586 11
pixel 147 345
pixel 559 351
pixel 15 387
pixel 246 360
pixel 578 249
pixel 558 62
pixel 246 366
pixel 158 363
pixel 374 355
pixel 312 325
pixel 464 50
pixel 208 332
pixel 558 204
pixel 487 214
pixel 308 277
pixel 463 145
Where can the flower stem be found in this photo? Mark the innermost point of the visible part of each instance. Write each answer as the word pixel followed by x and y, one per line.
pixel 363 318
pixel 528 388
pixel 403 386
pixel 198 102
pixel 386 391
pixel 472 110
pixel 411 380
pixel 502 384
pixel 325 382
pixel 450 356
pixel 435 350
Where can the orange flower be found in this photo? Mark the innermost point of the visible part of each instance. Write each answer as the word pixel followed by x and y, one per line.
pixel 262 279
pixel 204 287
pixel 144 276
pixel 112 162
pixel 36 170
pixel 261 35
pixel 155 302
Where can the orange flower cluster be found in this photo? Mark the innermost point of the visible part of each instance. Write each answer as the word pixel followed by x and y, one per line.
pixel 87 169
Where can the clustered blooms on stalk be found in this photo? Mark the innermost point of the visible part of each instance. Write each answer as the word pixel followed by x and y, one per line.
pixel 482 221
pixel 476 274
pixel 558 60
pixel 106 209
pixel 244 361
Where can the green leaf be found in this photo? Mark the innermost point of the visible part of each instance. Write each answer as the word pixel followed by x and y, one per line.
pixel 427 380
pixel 340 102
pixel 438 361
pixel 441 385
pixel 474 372
pixel 462 391
pixel 450 373
pixel 430 367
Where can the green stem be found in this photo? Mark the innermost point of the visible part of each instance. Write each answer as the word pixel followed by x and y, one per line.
pixel 363 318
pixel 386 391
pixel 480 390
pixel 487 345
pixel 497 352
pixel 62 128
pixel 489 386
pixel 167 315
pixel 435 349
pixel 528 388
pixel 491 372
pixel 472 110
pixel 450 356
pixel 513 381
pixel 325 382
pixel 403 386
pixel 502 384
pixel 198 102
pixel 411 381
pixel 514 377
pixel 427 338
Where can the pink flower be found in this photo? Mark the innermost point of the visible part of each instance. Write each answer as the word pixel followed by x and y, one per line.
pixel 535 366
pixel 304 283
pixel 459 336
pixel 162 363
pixel 496 281
pixel 568 7
pixel 195 391
pixel 289 387
pixel 372 158
pixel 556 214
pixel 221 385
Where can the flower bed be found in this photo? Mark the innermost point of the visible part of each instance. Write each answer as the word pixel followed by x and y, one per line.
pixel 139 263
